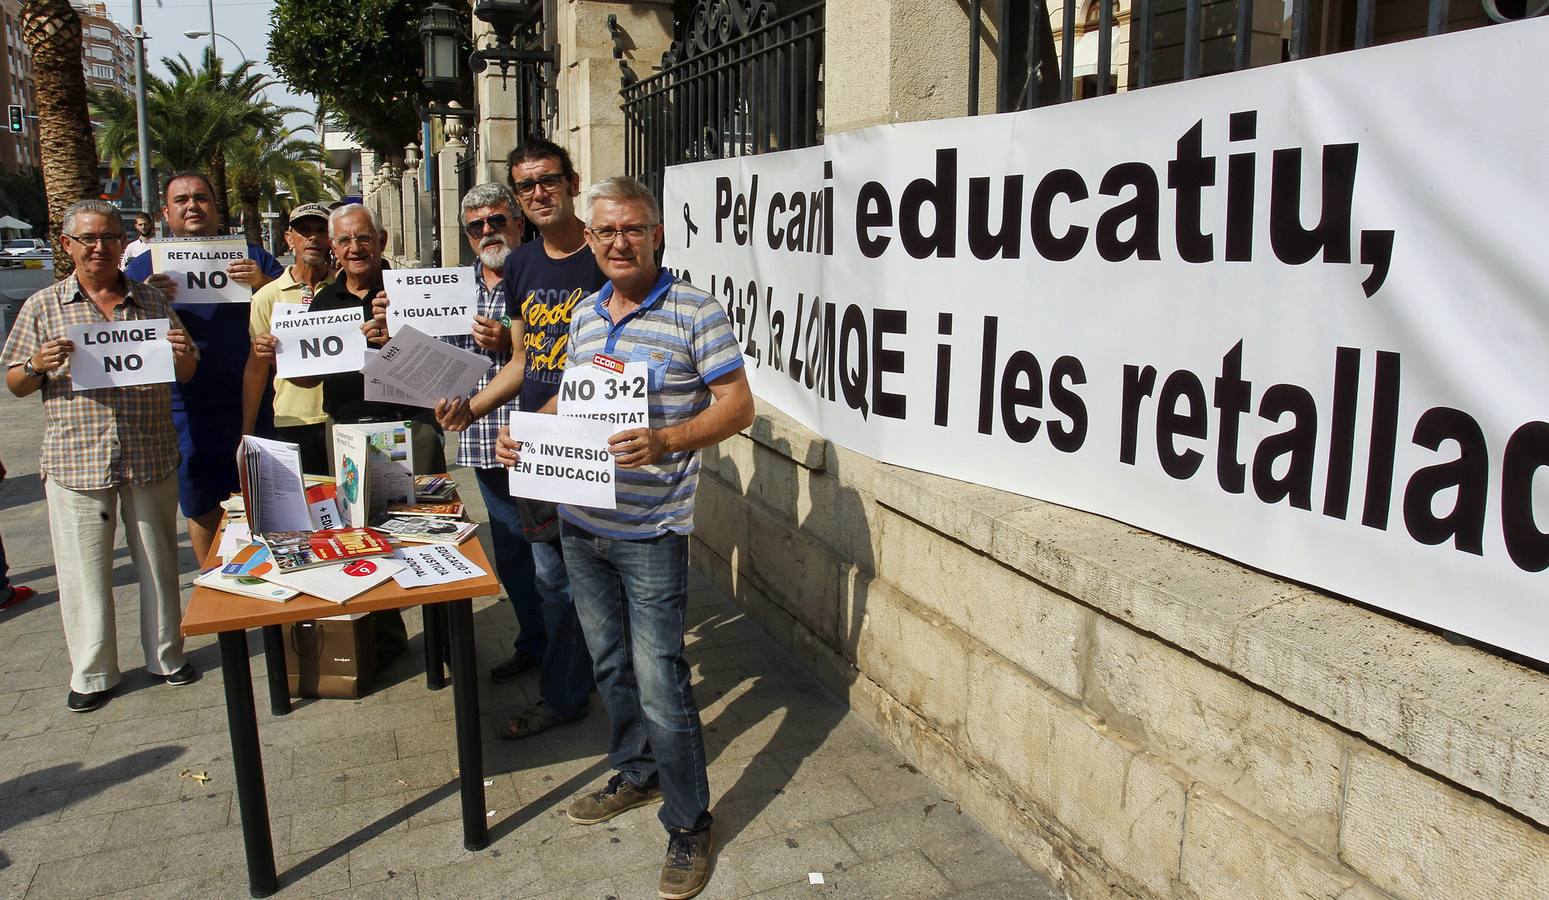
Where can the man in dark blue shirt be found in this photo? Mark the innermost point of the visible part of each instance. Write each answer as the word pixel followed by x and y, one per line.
pixel 207 409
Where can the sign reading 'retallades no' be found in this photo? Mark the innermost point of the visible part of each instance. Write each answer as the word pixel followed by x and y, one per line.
pixel 198 267
pixel 1250 312
pixel 435 301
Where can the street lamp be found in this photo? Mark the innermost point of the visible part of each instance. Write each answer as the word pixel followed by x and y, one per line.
pixel 441 33
pixel 195 35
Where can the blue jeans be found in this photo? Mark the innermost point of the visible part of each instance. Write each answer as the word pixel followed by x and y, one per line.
pixel 631 597
pixel 513 559
pixel 565 677
pixel 5 569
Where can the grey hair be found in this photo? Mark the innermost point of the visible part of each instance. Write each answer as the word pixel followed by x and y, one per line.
pixel 487 194
pixel 88 207
pixel 621 189
pixel 349 209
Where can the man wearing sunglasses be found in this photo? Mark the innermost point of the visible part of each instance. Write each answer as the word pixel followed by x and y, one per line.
pixel 546 279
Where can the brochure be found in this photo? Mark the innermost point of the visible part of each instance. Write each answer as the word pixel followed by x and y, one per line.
pixel 426 529
pixel 293 550
pixel 273 494
pixel 452 510
pixel 338 583
pixel 373 466
pixel 245 585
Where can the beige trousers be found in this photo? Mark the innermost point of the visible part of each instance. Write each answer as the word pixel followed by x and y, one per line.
pixel 83 525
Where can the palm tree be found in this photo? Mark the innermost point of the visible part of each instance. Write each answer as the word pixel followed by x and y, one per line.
pixel 194 118
pixel 259 166
pixel 52 31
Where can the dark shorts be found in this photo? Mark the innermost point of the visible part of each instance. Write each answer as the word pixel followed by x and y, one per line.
pixel 207 440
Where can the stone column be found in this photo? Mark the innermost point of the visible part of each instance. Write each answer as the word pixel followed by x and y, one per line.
pixel 902 61
pixel 391 215
pixel 409 204
pixel 590 122
pixel 447 196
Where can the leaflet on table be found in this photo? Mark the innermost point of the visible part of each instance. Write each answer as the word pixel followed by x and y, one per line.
pixel 198 267
pixel 338 583
pixel 233 538
pixel 434 488
pixel 246 586
pixel 434 301
pixel 449 510
pixel 425 368
pixel 248 561
pixel 269 473
pixel 563 459
pixel 320 500
pixel 374 463
pixel 318 343
pixel 119 354
pixel 434 564
pixel 600 392
pixel 426 529
pixel 291 551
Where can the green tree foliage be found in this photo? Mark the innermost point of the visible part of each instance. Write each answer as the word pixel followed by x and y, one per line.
pixel 362 59
pixel 260 166
pixel 194 118
pixel 21 195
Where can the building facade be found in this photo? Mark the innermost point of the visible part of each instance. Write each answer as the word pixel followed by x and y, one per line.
pixel 107 50
pixel 18 152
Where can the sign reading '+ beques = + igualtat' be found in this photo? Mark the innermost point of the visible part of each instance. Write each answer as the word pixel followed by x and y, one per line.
pixel 437 302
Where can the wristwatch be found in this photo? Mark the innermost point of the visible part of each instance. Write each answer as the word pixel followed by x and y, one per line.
pixel 30 372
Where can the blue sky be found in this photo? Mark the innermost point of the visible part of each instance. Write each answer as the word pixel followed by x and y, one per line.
pixel 245 22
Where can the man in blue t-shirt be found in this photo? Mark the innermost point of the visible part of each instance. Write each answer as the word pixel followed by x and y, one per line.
pixel 543 282
pixel 207 409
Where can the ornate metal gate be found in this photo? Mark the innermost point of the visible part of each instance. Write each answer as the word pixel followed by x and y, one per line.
pixel 739 80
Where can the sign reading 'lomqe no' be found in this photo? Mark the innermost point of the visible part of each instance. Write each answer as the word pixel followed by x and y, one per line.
pixel 120 354
pixel 198 267
pixel 1250 312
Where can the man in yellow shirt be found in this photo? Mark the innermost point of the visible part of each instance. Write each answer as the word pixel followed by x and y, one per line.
pixel 298 411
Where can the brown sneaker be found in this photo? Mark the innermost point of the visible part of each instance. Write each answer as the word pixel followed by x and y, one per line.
pixel 615 797
pixel 687 869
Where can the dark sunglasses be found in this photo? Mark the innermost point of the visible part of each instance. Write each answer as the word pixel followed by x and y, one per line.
pixel 496 222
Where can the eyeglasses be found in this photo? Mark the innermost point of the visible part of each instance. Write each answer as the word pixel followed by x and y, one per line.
pixel 634 233
pixel 496 222
pixel 92 240
pixel 358 240
pixel 549 183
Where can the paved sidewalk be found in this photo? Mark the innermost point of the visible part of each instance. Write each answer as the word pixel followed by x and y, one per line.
pixel 363 793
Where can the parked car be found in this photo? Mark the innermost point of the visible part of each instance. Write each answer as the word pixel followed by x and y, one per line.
pixel 19 246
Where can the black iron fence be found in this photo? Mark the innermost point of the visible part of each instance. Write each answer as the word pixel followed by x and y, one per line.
pixel 740 80
pixel 1054 51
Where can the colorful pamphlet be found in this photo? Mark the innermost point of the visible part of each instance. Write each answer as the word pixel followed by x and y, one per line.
pixel 338 583
pixel 452 510
pixel 290 551
pixel 245 585
pixel 426 529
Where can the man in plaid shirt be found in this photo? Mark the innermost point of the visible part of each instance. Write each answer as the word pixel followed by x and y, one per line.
pixel 107 453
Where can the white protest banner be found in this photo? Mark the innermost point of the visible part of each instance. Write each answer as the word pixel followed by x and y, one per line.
pixel 198 266
pixel 435 301
pixel 594 392
pixel 1250 312
pixel 118 354
pixel 418 366
pixel 563 460
pixel 433 564
pixel 318 343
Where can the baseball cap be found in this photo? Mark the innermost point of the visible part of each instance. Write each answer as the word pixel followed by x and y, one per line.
pixel 315 210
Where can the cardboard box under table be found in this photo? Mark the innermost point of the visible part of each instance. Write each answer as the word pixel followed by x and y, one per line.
pixel 229 616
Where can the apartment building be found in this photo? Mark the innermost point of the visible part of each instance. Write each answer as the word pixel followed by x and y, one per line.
pixel 18 152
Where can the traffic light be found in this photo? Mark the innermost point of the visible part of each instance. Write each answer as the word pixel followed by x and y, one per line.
pixel 16 118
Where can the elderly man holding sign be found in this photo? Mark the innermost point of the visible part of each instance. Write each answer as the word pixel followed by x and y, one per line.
pixel 211 279
pixel 629 565
pixel 109 452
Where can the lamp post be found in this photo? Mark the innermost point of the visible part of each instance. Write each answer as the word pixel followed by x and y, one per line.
pixel 195 35
pixel 142 125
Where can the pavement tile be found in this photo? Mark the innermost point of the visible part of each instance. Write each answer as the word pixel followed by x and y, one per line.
pixel 189 816
pixel 56 840
pixel 887 830
pixel 129 867
pixel 1025 887
pixel 409 851
pixel 724 883
pixel 344 753
pixel 347 823
pixel 974 858
pixel 905 875
pixel 514 873
pixel 893 782
pixel 15 879
pixel 779 859
pixel 32 808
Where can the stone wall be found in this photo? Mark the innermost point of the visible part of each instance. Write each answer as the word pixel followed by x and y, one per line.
pixel 1137 717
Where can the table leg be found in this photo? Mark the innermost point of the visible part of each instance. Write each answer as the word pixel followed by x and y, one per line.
pixel 248 761
pixel 434 617
pixel 465 701
pixel 274 662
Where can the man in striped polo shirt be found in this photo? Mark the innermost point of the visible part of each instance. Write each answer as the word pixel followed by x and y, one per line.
pixel 629 566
